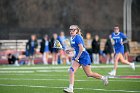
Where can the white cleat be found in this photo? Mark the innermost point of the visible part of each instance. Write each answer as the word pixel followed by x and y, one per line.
pixel 68 90
pixel 16 63
pixel 45 63
pixel 132 65
pixel 28 63
pixel 105 80
pixel 112 73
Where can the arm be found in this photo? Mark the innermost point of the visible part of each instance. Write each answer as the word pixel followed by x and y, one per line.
pixel 78 41
pixel 27 46
pixel 68 47
pixel 99 46
pixel 111 39
pixel 35 46
pixel 81 49
pixel 125 40
pixel 69 50
pixel 42 47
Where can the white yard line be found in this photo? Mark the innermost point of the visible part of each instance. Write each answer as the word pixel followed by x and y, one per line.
pixel 48 75
pixel 33 79
pixel 8 85
pixel 45 74
pixel 32 71
pixel 45 71
pixel 51 71
pixel 62 67
pixel 4 74
pixel 28 79
pixel 16 71
pixel 47 67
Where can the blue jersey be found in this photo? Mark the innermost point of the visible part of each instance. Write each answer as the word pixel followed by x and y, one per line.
pixel 118 38
pixel 75 41
pixel 46 49
pixel 84 58
pixel 32 43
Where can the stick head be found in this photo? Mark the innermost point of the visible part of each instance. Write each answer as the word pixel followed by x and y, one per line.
pixel 67 44
pixel 57 45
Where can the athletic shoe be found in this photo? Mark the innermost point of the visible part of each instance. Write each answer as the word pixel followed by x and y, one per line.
pixel 112 73
pixel 16 63
pixel 68 90
pixel 105 80
pixel 45 63
pixel 28 63
pixel 132 65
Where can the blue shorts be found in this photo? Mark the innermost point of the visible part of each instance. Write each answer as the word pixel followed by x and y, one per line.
pixel 46 50
pixel 119 50
pixel 30 52
pixel 54 50
pixel 84 59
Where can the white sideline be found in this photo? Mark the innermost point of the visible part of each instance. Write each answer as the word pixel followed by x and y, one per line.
pixel 33 79
pixel 8 85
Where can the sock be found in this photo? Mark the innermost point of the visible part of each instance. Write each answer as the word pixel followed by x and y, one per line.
pixel 55 62
pixel 52 62
pixel 114 70
pixel 130 64
pixel 102 77
pixel 71 86
pixel 67 62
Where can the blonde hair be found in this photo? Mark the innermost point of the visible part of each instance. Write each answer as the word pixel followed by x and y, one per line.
pixel 78 29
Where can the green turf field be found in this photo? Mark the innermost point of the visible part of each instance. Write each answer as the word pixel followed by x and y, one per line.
pixel 53 79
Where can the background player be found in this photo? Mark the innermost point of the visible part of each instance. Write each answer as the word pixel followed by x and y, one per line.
pixel 31 48
pixel 45 49
pixel 118 37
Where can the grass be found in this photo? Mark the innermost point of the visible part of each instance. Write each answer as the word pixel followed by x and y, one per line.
pixel 53 79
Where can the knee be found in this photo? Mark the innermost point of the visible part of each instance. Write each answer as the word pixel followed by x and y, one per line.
pixel 71 70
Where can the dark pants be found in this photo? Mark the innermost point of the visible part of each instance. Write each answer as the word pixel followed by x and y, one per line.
pixel 12 59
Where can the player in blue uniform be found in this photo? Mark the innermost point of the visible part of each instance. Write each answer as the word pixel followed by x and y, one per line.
pixel 118 38
pixel 62 53
pixel 45 49
pixel 81 58
pixel 31 47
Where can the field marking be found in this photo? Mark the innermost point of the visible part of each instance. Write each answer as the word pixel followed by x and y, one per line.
pixel 118 77
pixel 8 85
pixel 47 67
pixel 63 67
pixel 51 71
pixel 32 71
pixel 28 74
pixel 34 75
pixel 16 71
pixel 84 80
pixel 46 71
